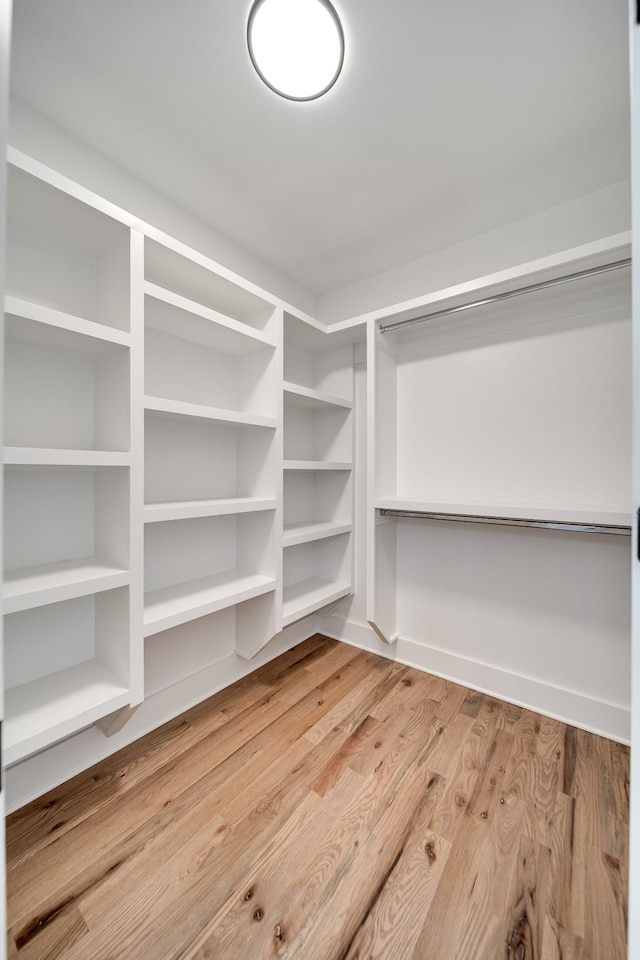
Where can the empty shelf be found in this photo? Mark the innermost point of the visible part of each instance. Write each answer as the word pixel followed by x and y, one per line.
pixel 304 597
pixel 46 710
pixel 317 465
pixel 65 458
pixel 295 533
pixel 64 321
pixel 171 606
pixel 187 509
pixel 52 582
pixel 201 412
pixel 306 397
pixel 232 335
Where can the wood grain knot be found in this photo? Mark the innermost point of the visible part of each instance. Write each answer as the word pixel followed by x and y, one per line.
pixel 248 895
pixel 460 801
pixel 320 702
pixel 279 933
pixel 519 944
pixel 407 683
pixel 484 815
pixel 259 914
pixel 612 862
pixel 377 744
pixel 430 851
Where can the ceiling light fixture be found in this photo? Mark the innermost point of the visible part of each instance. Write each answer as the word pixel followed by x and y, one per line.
pixel 296 46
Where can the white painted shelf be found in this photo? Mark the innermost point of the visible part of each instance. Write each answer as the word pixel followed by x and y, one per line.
pixel 200 412
pixel 314 399
pixel 295 533
pixel 64 321
pixel 239 338
pixel 317 465
pixel 550 513
pixel 39 713
pixel 65 458
pixel 53 582
pixel 306 596
pixel 188 509
pixel 171 606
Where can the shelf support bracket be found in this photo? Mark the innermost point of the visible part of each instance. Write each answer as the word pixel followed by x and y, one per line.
pixel 114 722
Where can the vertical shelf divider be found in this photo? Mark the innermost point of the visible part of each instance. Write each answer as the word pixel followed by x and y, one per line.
pixel 136 532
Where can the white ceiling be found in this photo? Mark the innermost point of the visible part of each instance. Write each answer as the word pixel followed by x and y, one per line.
pixel 450 119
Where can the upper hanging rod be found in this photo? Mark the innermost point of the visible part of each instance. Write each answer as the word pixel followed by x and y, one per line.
pixel 592 272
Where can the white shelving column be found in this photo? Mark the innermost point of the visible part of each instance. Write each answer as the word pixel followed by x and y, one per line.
pixel 382 408
pixel 318 486
pixel 211 448
pixel 71 655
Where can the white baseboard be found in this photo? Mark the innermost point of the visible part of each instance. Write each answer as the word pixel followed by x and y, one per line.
pixel 45 770
pixel 596 716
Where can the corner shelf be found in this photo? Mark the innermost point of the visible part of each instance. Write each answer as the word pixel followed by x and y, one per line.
pixel 189 509
pixel 296 533
pixel 171 606
pixel 52 582
pixel 317 465
pixel 308 595
pixel 313 399
pixel 39 713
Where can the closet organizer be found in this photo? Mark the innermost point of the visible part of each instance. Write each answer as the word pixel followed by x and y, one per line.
pixel 497 404
pixel 171 502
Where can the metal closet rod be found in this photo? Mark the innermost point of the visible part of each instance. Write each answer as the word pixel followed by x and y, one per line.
pixel 619 531
pixel 519 292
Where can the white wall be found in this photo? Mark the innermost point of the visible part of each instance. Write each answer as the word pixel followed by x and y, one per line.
pixel 42 140
pixel 591 217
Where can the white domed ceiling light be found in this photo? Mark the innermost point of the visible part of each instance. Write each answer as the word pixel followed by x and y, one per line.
pixel 296 46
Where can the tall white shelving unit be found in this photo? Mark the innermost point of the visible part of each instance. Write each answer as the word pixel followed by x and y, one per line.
pixel 212 371
pixel 72 341
pixel 152 522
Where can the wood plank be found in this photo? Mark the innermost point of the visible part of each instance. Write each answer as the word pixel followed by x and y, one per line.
pixel 122 827
pixel 46 819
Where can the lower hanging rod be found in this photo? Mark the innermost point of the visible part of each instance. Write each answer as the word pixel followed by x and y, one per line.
pixel 518 292
pixel 618 531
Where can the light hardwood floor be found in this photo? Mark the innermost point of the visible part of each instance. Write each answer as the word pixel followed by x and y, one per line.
pixel 332 806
